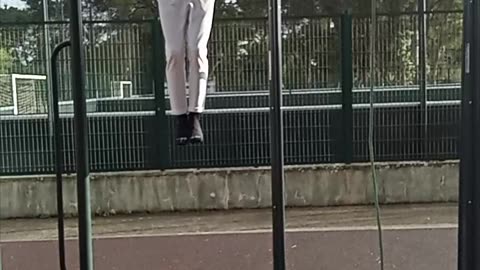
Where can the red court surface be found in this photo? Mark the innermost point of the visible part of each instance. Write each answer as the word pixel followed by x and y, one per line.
pixel 416 238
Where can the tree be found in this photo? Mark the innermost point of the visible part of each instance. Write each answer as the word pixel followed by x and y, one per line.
pixel 12 14
pixel 311 42
pixel 5 61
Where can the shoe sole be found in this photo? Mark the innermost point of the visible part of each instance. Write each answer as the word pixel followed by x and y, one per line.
pixel 185 141
pixel 181 141
pixel 196 140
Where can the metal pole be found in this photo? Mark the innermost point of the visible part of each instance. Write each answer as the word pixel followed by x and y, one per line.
pixel 48 55
pixel 160 156
pixel 81 136
pixel 347 88
pixel 422 32
pixel 476 134
pixel 57 138
pixel 468 147
pixel 276 122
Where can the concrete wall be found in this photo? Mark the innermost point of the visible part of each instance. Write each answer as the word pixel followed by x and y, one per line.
pixel 154 191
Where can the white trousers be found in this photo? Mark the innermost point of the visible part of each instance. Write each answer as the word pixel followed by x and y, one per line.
pixel 186 26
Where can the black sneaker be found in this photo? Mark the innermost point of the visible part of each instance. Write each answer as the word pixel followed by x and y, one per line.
pixel 182 130
pixel 196 128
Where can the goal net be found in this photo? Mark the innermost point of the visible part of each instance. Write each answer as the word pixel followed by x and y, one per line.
pixel 6 94
pixel 25 94
pixel 121 89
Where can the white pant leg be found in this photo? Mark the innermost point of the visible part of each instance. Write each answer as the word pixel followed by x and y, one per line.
pixel 173 17
pixel 198 34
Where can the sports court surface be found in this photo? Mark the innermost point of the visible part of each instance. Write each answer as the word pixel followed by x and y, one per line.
pixel 417 237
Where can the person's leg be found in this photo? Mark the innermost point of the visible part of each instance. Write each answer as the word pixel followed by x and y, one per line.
pixel 173 18
pixel 198 35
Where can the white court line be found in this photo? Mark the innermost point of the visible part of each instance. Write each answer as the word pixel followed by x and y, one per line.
pixel 298 230
pixel 413 227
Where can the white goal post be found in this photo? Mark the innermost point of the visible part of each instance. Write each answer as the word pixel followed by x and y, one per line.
pixel 15 89
pixel 118 89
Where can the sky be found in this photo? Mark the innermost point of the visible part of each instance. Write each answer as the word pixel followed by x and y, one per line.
pixel 13 3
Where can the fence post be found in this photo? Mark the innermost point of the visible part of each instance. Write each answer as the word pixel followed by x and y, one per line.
pixel 347 88
pixel 422 32
pixel 161 135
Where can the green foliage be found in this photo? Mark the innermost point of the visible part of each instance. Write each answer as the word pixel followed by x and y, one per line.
pixel 445 47
pixel 11 14
pixel 5 61
pixel 123 9
pixel 311 43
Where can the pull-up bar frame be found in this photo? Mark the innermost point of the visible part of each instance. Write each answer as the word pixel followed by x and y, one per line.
pixel 469 200
pixel 469 214
pixel 81 137
pixel 276 135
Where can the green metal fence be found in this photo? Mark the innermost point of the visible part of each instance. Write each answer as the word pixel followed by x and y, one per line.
pixel 326 100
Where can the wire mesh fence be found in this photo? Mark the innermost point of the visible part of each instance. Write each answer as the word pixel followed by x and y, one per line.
pixel 128 110
pixel 115 143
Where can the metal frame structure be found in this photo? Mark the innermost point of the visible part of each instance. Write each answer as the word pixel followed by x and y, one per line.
pixel 469 233
pixel 58 142
pixel 276 134
pixel 81 138
pixel 469 202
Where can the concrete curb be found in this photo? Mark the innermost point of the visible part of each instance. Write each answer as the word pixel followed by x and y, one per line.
pixel 233 188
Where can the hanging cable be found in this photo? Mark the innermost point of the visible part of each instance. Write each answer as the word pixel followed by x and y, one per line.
pixel 373 39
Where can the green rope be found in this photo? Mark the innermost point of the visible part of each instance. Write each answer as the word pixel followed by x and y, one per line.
pixel 373 32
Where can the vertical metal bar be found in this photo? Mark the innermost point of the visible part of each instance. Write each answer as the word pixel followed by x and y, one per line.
pixel 81 136
pixel 46 36
pixel 58 142
pixel 466 226
pixel 422 32
pixel 161 153
pixel 14 95
pixel 276 122
pixel 476 134
pixel 1 260
pixel 347 88
pixel 91 78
